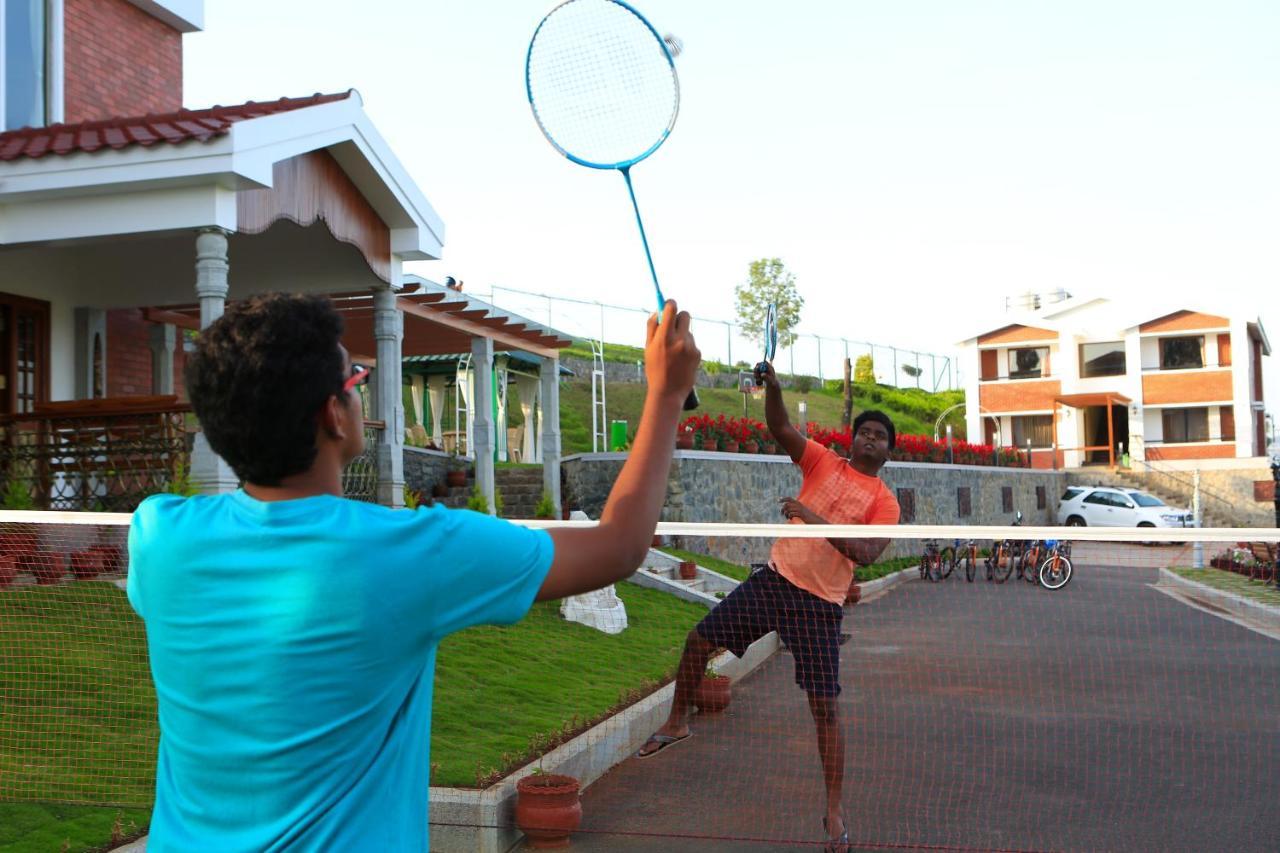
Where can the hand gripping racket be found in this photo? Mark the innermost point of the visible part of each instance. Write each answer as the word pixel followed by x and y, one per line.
pixel 603 88
pixel 770 342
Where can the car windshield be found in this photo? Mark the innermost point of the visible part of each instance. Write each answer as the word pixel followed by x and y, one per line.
pixel 1145 500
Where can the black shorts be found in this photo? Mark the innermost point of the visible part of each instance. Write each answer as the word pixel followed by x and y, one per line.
pixel 807 624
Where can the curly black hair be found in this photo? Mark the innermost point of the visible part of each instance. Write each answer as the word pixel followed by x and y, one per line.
pixel 259 375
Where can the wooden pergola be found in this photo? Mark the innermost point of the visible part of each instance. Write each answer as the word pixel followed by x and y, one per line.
pixel 1110 399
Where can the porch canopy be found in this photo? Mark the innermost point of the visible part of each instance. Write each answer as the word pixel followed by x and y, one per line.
pixel 299 194
pixel 1109 399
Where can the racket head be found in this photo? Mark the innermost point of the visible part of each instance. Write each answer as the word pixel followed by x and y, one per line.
pixel 601 83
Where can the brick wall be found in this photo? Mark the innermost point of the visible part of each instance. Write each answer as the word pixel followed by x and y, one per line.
pixel 129 356
pixel 119 61
pixel 1017 334
pixel 1199 387
pixel 1019 396
pixel 1180 321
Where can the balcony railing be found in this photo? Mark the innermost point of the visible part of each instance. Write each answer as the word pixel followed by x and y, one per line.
pixel 108 455
pixel 101 455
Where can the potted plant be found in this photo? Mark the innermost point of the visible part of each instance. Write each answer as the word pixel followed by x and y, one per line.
pixel 547 808
pixel 46 566
pixel 456 475
pixel 478 502
pixel 684 439
pixel 688 570
pixel 713 692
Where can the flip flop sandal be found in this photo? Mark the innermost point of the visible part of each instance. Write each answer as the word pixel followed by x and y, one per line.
pixel 837 845
pixel 663 741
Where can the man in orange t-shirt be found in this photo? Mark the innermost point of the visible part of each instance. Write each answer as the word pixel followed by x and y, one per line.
pixel 800 595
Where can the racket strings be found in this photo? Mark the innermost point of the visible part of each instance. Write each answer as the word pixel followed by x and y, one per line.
pixel 600 83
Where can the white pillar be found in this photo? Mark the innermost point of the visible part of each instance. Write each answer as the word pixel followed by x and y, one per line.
pixel 209 472
pixel 164 340
pixel 388 333
pixel 549 406
pixel 481 400
pixel 500 428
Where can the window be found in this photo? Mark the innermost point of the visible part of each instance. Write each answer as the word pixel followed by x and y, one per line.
pixel 1030 363
pixel 964 504
pixel 1181 353
pixel 1037 428
pixel 1006 498
pixel 1071 492
pixel 1102 359
pixel 24 63
pixel 1184 425
pixel 1143 499
pixel 24 354
pixel 907 505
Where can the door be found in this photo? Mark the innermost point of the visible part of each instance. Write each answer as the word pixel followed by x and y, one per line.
pixel 24 354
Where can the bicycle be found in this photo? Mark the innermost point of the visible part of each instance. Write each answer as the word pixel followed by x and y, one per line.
pixel 1005 555
pixel 968 555
pixel 933 561
pixel 1029 560
pixel 1055 571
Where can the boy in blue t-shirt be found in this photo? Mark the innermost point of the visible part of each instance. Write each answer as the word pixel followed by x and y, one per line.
pixel 293 634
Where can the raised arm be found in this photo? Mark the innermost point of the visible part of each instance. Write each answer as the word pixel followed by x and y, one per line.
pixel 775 415
pixel 591 558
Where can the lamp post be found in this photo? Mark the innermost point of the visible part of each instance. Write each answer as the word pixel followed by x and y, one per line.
pixel 1275 501
pixel 950 453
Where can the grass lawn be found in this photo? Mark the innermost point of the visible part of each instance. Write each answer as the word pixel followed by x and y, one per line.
pixel 41 827
pixel 1232 582
pixel 79 715
pixel 715 564
pixel 506 693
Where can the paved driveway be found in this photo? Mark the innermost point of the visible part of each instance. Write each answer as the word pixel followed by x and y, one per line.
pixel 1105 716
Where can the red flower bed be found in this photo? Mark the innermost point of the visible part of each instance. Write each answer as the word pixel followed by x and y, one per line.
pixel 908 448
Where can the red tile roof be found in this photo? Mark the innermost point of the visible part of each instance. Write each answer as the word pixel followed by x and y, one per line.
pixel 122 132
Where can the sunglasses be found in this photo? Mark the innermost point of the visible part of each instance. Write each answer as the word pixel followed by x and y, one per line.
pixel 359 376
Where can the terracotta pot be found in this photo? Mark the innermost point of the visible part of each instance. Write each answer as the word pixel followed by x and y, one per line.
pixel 657 542
pixel 8 569
pixel 684 441
pixel 710 444
pixel 713 694
pixel 47 567
pixel 731 447
pixel 17 543
pixel 688 570
pixel 750 447
pixel 547 809
pixel 455 478
pixel 111 558
pixel 86 565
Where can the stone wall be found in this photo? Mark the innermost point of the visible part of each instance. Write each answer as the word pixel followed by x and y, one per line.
pixel 424 468
pixel 710 487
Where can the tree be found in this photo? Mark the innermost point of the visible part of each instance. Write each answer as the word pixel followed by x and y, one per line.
pixel 768 281
pixel 864 370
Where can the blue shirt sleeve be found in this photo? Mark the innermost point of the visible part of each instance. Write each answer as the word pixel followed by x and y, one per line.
pixel 485 571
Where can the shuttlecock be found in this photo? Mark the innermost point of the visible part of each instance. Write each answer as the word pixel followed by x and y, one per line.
pixel 673 44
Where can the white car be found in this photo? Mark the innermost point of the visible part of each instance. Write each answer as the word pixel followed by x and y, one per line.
pixel 1103 506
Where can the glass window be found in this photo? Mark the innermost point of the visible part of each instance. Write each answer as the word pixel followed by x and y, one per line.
pixel 1181 353
pixel 1145 500
pixel 1038 428
pixel 1184 425
pixel 1100 498
pixel 1102 359
pixel 24 61
pixel 1070 493
pixel 1028 363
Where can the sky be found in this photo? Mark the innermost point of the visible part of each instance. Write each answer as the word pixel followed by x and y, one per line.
pixel 912 162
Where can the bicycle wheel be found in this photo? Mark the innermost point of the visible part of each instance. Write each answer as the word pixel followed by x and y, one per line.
pixel 1001 564
pixel 924 565
pixel 970 566
pixel 1055 572
pixel 946 562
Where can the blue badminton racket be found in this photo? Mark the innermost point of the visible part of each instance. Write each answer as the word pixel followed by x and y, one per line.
pixel 603 88
pixel 770 342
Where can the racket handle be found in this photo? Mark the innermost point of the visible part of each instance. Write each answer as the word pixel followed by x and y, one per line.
pixel 691 402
